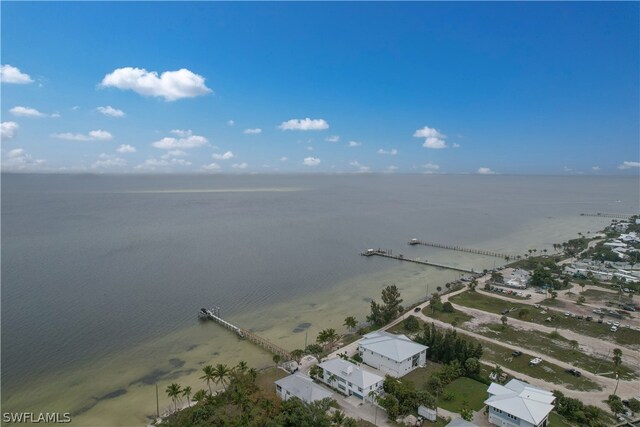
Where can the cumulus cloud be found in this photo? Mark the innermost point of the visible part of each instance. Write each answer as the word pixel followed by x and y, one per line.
pixel 455 145
pixel 284 159
pixel 242 165
pixel 304 124
pixel 390 169
pixel 595 168
pixel 106 161
pixel 391 152
pixel 110 111
pixel 361 168
pixel 431 166
pixel 10 74
pixel 185 139
pixel 629 165
pixel 170 85
pixel 309 148
pixel 155 164
pixel 252 131
pixel 174 153
pixel 354 144
pixel 94 135
pixel 19 159
pixel 433 138
pixel 226 156
pixel 229 123
pixel 126 148
pixel 485 171
pixel 211 167
pixel 8 130
pixel 333 138
pixel 26 112
pixel 311 161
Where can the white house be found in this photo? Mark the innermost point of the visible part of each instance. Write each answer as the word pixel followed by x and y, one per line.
pixel 350 379
pixel 392 354
pixel 518 404
pixel 302 387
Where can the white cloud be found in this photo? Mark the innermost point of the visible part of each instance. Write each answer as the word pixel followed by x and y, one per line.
pixel 567 169
pixel 211 167
pixel 354 144
pixel 390 169
pixel 106 161
pixel 18 159
pixel 153 163
pixel 175 153
pixel 361 168
pixel 304 124
pixel 94 135
pixel 126 148
pixel 391 152
pixel 186 140
pixel 8 130
pixel 56 115
pixel 170 85
pixel 26 112
pixel 629 165
pixel 10 74
pixel 431 166
pixel 284 159
pixel 252 131
pixel 485 171
pixel 311 161
pixel 229 123
pixel 455 145
pixel 110 111
pixel 433 138
pixel 309 148
pixel 333 138
pixel 595 168
pixel 242 165
pixel 226 156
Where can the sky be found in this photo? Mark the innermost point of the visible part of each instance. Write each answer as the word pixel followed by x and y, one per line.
pixel 294 87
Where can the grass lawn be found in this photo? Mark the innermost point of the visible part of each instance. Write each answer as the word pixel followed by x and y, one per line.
pixel 267 377
pixel 465 391
pixel 558 420
pixel 457 316
pixel 555 346
pixel 623 336
pixel 419 376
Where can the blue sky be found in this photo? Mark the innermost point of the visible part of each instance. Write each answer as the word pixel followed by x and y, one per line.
pixel 524 88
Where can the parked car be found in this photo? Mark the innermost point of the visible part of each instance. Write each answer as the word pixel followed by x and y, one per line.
pixel 599 320
pixel 589 318
pixel 416 310
pixel 505 311
pixel 566 313
pixel 573 372
pixel 535 361
pixel 614 328
pixel 516 353
pixel 536 305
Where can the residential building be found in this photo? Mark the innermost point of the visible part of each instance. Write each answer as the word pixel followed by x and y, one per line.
pixel 302 387
pixel 518 404
pixel 350 379
pixel 395 355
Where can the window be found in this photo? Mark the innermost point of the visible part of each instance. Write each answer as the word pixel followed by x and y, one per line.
pixel 278 388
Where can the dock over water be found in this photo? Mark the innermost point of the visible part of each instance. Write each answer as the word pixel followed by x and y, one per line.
pixel 400 257
pixel 608 215
pixel 214 314
pixel 414 242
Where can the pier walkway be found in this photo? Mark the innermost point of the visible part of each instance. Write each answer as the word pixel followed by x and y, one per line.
pixel 389 254
pixel 214 314
pixel 608 215
pixel 413 242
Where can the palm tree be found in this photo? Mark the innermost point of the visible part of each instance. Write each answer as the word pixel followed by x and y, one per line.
pixel 221 373
pixel 277 359
pixel 439 289
pixel 199 395
pixel 504 319
pixel 253 374
pixel 350 322
pixel 297 355
pixel 208 376
pixel 173 391
pixel 242 366
pixel 332 378
pixel 187 392
pixel 338 418
pixel 617 358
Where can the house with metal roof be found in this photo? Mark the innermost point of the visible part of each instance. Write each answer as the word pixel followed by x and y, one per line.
pixel 395 355
pixel 350 379
pixel 302 387
pixel 518 404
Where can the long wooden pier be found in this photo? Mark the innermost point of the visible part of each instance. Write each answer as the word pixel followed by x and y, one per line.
pixel 400 257
pixel 608 215
pixel 413 242
pixel 214 314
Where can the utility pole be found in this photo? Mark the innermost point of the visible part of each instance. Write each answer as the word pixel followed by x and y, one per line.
pixel 157 402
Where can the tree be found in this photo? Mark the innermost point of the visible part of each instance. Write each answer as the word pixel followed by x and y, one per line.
pixel 582 285
pixel 350 322
pixel 187 392
pixel 554 295
pixel 327 336
pixel 315 371
pixel 411 323
pixel 504 319
pixel 435 303
pixel 617 358
pixel 497 277
pixel 276 359
pixel 522 313
pixel 391 299
pixel 581 300
pixel 472 366
pixel 173 391
pixel 208 376
pixel 315 350
pixel 473 284
pixel 439 288
pixel 574 345
pixel 297 355
pixel 466 414
pixel 447 307
pixel 338 418
pixel 615 403
pixel 199 396
pixel 220 374
pixel 242 366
